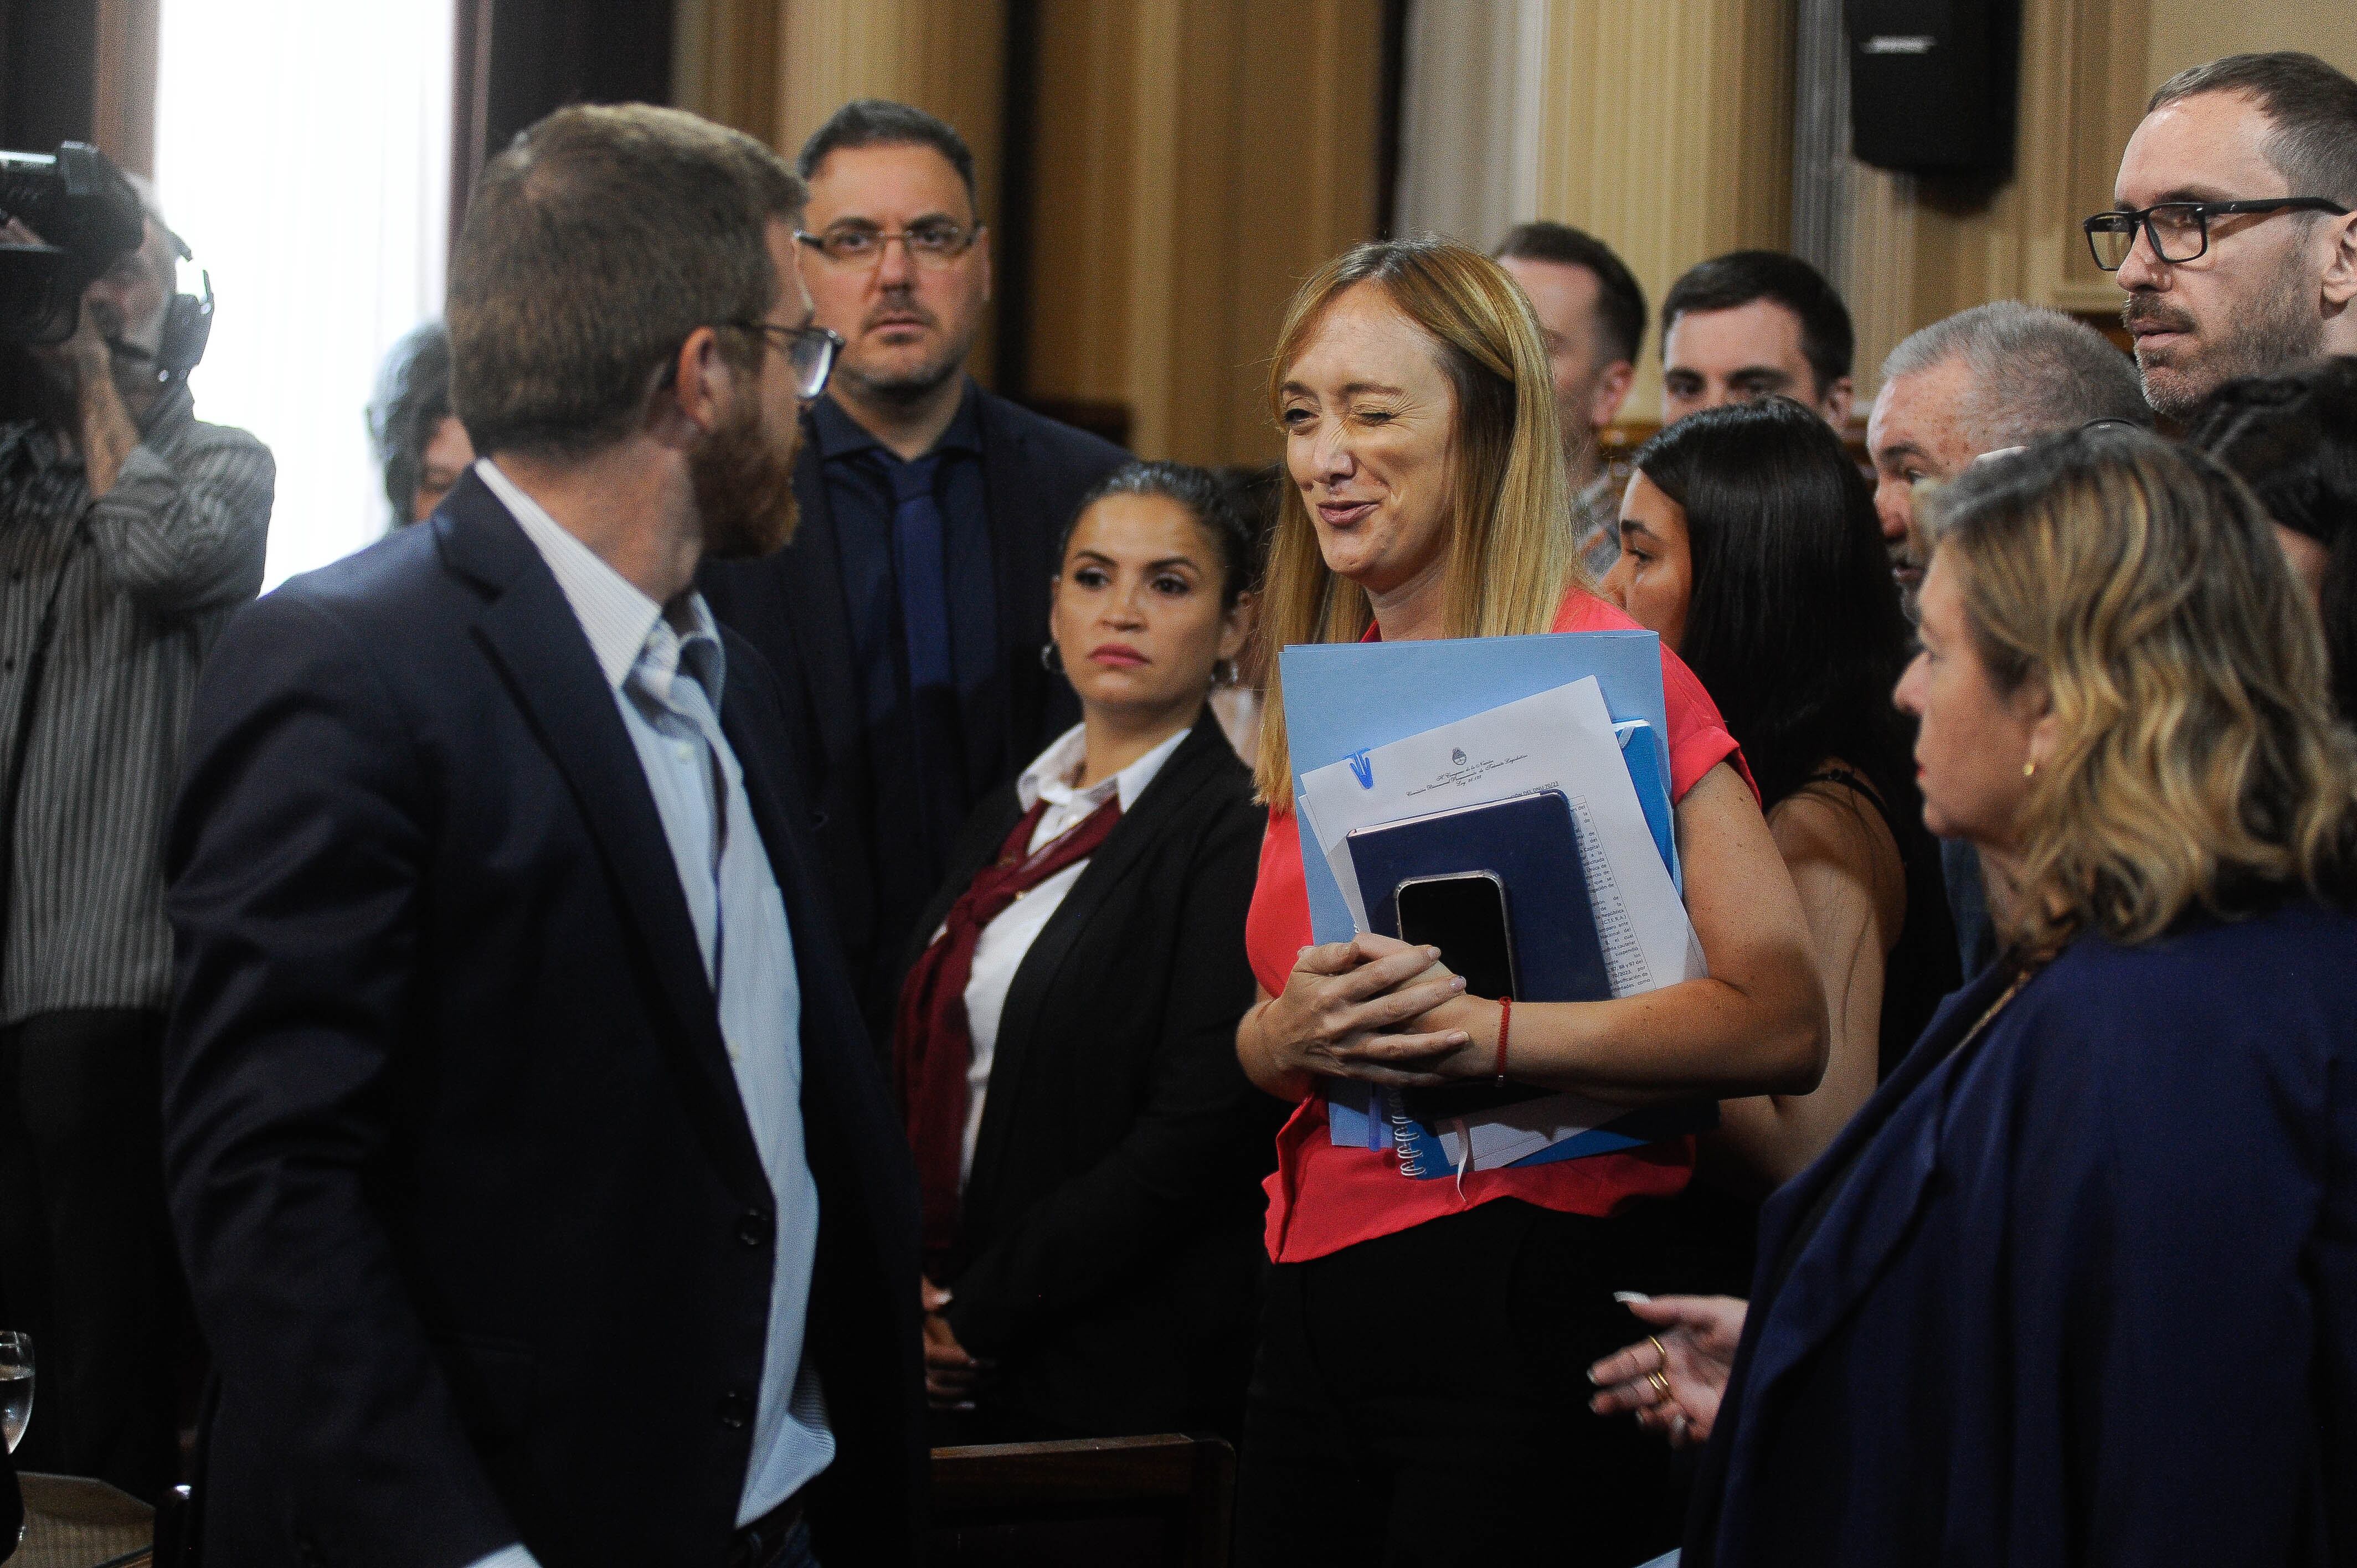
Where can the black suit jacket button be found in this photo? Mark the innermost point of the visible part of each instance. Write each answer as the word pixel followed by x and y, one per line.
pixel 736 1409
pixel 754 1227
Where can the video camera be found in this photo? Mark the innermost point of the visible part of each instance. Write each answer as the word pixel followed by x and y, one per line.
pixel 88 217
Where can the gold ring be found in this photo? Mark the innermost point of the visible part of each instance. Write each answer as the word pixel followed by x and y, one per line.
pixel 1661 1384
pixel 1655 1341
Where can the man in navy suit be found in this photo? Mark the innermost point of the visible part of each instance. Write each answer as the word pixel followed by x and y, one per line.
pixel 541 1200
pixel 908 621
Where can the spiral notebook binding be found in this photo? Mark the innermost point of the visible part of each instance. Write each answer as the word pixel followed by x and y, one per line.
pixel 1404 1130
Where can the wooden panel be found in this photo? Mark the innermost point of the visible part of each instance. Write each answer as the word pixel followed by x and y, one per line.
pixel 1206 156
pixel 1668 133
pixel 125 99
pixel 1924 249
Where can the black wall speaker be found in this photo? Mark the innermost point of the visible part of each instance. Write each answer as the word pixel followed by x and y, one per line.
pixel 1931 83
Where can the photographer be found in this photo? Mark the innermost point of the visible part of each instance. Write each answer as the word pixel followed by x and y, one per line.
pixel 128 535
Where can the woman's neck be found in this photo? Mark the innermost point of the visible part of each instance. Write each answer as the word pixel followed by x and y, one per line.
pixel 1113 738
pixel 1417 609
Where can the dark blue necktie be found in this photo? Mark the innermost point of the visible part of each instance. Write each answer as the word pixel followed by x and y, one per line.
pixel 919 566
pixel 917 562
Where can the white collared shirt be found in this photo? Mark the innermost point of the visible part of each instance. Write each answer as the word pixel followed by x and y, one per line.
pixel 671 712
pixel 1000 950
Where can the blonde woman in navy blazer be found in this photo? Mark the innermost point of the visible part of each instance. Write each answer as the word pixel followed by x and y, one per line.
pixel 1093 1184
pixel 2078 1285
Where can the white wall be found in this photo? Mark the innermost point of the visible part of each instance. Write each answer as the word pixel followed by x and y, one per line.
pixel 1469 117
pixel 303 150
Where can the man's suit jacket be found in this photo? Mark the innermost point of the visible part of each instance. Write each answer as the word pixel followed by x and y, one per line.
pixel 792 606
pixel 1109 1254
pixel 472 1213
pixel 2082 1291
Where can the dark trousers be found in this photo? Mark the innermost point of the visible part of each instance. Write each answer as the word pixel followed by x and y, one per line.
pixel 1422 1399
pixel 86 1261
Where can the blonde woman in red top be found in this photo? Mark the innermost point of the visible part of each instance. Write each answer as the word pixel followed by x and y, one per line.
pixel 1420 1391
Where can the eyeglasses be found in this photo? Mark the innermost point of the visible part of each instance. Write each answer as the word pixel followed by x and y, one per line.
pixel 2179 230
pixel 810 352
pixel 932 244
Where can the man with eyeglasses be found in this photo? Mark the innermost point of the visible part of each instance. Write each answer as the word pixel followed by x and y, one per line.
pixel 2234 225
pixel 909 618
pixel 542 1198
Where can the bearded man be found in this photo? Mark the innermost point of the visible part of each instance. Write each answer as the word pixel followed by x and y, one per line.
pixel 907 624
pixel 540 1199
pixel 2234 228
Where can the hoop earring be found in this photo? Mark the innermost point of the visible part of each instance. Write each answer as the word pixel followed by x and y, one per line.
pixel 1051 658
pixel 1223 672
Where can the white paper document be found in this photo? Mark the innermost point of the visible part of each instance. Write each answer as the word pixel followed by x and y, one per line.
pixel 1560 740
pixel 1507 1133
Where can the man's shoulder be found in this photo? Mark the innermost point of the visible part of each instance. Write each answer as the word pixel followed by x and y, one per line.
pixel 1049 441
pixel 171 424
pixel 386 595
pixel 223 437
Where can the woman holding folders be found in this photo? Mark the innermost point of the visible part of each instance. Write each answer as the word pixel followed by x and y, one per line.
pixel 1749 542
pixel 1416 1394
pixel 2080 1283
pixel 1088 1152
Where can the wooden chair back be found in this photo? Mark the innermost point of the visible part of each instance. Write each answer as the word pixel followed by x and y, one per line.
pixel 1140 1503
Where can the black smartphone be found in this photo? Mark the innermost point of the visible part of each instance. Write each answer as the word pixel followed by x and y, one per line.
pixel 1465 917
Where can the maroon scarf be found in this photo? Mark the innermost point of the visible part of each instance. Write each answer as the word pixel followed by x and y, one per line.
pixel 932 1043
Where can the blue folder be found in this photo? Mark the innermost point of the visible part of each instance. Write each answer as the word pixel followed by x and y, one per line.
pixel 1345 698
pixel 1422 1157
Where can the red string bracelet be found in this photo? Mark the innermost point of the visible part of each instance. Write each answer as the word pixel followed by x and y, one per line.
pixel 1505 1017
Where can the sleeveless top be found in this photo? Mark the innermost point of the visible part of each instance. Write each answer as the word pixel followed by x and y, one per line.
pixel 1921 966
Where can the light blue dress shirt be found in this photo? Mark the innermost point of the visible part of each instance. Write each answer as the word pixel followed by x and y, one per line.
pixel 666 667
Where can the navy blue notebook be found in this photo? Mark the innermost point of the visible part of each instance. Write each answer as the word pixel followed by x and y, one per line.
pixel 1531 846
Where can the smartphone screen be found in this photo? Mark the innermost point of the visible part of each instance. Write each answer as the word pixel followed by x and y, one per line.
pixel 1465 917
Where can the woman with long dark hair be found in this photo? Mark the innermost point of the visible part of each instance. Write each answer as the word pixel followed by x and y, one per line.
pixel 1749 544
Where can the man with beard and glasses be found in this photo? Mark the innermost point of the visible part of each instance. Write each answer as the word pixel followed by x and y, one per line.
pixel 541 1197
pixel 908 624
pixel 2234 228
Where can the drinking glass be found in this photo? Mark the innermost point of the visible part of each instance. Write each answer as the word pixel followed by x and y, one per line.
pixel 15 1385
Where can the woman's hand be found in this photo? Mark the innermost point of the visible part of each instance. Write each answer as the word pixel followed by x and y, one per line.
pixel 1673 1377
pixel 1339 1013
pixel 949 1373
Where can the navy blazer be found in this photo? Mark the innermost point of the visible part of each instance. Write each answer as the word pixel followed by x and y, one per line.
pixel 2088 1292
pixel 1115 1203
pixel 792 606
pixel 476 1226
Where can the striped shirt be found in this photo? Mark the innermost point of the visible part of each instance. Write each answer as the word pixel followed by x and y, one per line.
pixel 136 586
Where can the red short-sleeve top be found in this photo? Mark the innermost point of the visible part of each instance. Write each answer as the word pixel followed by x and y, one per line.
pixel 1323 1197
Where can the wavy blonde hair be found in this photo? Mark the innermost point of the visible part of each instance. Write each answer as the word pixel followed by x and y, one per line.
pixel 2197 761
pixel 1510 557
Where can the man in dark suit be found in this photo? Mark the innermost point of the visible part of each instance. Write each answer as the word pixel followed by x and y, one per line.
pixel 541 1199
pixel 908 619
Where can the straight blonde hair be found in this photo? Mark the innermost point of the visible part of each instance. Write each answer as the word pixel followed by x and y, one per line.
pixel 1511 558
pixel 2198 763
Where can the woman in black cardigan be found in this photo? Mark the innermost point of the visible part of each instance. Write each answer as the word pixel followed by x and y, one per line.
pixel 1089 1152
